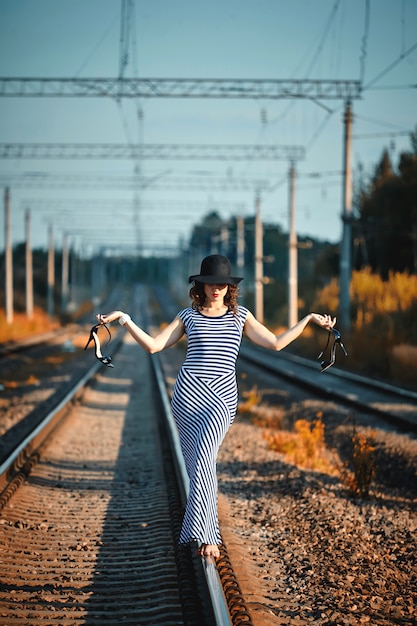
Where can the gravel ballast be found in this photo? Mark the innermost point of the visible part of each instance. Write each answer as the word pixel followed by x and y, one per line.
pixel 321 556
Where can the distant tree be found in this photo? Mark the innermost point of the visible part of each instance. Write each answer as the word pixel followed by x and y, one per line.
pixel 386 228
pixel 206 232
pixel 383 171
pixel 413 139
pixel 327 263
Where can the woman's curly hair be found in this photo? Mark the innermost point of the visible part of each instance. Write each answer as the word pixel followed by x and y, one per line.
pixel 198 297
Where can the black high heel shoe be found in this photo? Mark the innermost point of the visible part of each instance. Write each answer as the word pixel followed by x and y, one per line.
pixel 106 360
pixel 325 364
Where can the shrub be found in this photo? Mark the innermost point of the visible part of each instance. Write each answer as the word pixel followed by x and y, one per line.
pixel 359 479
pixel 305 447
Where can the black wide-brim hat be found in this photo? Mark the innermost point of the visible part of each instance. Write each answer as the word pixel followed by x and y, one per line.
pixel 215 270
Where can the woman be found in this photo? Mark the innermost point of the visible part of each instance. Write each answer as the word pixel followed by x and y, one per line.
pixel 205 395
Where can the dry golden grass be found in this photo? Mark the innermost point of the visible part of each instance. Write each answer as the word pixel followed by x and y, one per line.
pixel 32 380
pixel 260 415
pixel 79 341
pixel 54 360
pixel 252 399
pixel 403 363
pixel 371 296
pixel 305 447
pixel 22 327
pixel 382 337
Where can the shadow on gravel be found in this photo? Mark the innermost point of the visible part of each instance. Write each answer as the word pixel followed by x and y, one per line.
pixel 257 480
pixel 135 578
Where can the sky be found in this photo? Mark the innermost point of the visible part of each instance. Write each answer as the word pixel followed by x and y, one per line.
pixel 95 202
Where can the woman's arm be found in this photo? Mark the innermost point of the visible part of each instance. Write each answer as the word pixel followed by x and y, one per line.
pixel 258 333
pixel 166 338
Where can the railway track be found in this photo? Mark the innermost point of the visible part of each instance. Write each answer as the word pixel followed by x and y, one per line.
pixel 392 404
pixel 37 373
pixel 82 567
pixel 91 504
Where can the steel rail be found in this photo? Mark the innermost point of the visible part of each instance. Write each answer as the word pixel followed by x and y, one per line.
pixel 357 378
pixel 11 347
pixel 226 599
pixel 218 599
pixel 323 384
pixel 15 469
pixel 13 466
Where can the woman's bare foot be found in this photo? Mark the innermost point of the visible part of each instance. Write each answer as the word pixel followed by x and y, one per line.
pixel 207 549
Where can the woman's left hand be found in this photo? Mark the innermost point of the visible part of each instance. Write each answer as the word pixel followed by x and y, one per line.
pixel 107 318
pixel 325 321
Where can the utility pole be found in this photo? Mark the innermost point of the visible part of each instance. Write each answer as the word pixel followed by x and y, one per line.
pixel 29 268
pixel 8 258
pixel 240 251
pixel 51 272
pixel 224 240
pixel 65 273
pixel 345 254
pixel 259 260
pixel 292 255
pixel 74 278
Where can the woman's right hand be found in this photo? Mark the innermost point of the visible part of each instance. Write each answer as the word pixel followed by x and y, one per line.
pixel 107 318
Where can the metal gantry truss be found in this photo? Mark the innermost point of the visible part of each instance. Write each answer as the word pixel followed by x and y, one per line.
pixel 235 152
pixel 117 88
pixel 253 88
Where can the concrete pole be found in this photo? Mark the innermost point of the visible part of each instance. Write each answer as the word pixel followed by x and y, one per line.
pixel 292 255
pixel 8 258
pixel 240 252
pixel 346 254
pixel 259 260
pixel 65 273
pixel 29 268
pixel 74 277
pixel 51 272
pixel 224 240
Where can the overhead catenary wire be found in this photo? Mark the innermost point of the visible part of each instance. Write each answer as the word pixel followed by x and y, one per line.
pixel 379 122
pixel 319 48
pixel 97 46
pixel 364 46
pixel 368 86
pixel 390 67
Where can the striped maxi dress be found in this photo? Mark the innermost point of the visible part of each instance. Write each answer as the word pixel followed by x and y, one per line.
pixel 204 405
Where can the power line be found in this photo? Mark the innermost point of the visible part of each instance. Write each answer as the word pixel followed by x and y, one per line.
pixel 364 45
pixel 319 48
pixel 379 122
pixel 402 56
pixel 401 133
pixel 392 87
pixel 324 35
pixel 103 204
pixel 54 181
